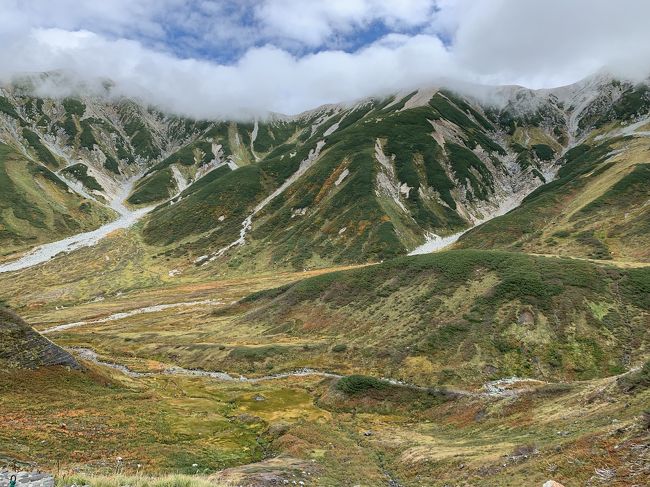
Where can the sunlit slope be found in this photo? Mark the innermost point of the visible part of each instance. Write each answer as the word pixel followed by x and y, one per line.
pixel 366 181
pixel 447 318
pixel 597 208
pixel 465 315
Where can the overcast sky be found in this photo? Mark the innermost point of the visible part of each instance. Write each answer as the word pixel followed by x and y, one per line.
pixel 239 58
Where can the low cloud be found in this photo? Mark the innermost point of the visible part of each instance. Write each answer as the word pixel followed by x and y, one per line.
pixel 286 61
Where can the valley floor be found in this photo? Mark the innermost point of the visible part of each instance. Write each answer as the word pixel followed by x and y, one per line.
pixel 303 428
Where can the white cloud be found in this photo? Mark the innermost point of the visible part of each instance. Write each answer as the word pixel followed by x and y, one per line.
pixel 538 44
pixel 265 79
pixel 314 23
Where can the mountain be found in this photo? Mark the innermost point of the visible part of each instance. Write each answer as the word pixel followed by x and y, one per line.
pixel 36 205
pixel 24 348
pixel 346 184
pixel 358 183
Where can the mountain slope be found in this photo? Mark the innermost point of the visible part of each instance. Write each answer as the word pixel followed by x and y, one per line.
pixel 366 182
pixel 356 183
pixel 490 314
pixel 598 207
pixel 37 206
pixel 22 347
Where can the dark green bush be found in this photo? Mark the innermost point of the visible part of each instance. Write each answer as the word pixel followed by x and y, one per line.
pixel 543 152
pixel 356 384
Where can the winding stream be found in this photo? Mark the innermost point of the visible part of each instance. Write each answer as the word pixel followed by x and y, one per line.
pixel 126 314
pixel 91 356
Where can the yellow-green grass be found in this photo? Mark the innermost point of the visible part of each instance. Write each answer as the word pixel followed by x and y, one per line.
pixel 117 480
pixel 86 420
pixel 71 421
pixel 121 273
pixel 489 314
pixel 563 220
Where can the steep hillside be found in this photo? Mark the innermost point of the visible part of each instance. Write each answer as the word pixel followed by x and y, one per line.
pixel 23 348
pixel 69 161
pixel 359 183
pixel 377 179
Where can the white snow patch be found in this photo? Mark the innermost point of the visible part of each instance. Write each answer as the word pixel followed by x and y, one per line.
pixel 181 182
pixel 256 128
pixel 420 99
pixel 45 252
pixel 435 242
pixel 342 176
pixel 405 189
pixel 632 129
pixel 386 179
pixel 501 387
pixel 332 129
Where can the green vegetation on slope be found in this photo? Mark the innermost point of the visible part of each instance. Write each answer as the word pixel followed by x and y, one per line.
pixel 630 189
pixel 463 161
pixel 229 195
pixel 43 154
pixel 524 226
pixel 79 172
pixel 35 205
pixel 156 187
pixel 634 101
pixel 494 314
pixel 142 140
pixel 196 153
pixel 353 219
pixel 7 108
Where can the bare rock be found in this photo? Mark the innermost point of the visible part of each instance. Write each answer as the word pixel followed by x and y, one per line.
pixel 526 317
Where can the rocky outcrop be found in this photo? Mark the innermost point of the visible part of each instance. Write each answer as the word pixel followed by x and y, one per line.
pixel 27 479
pixel 22 347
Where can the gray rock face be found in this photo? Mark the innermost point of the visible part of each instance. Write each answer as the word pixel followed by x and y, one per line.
pixel 27 479
pixel 23 347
